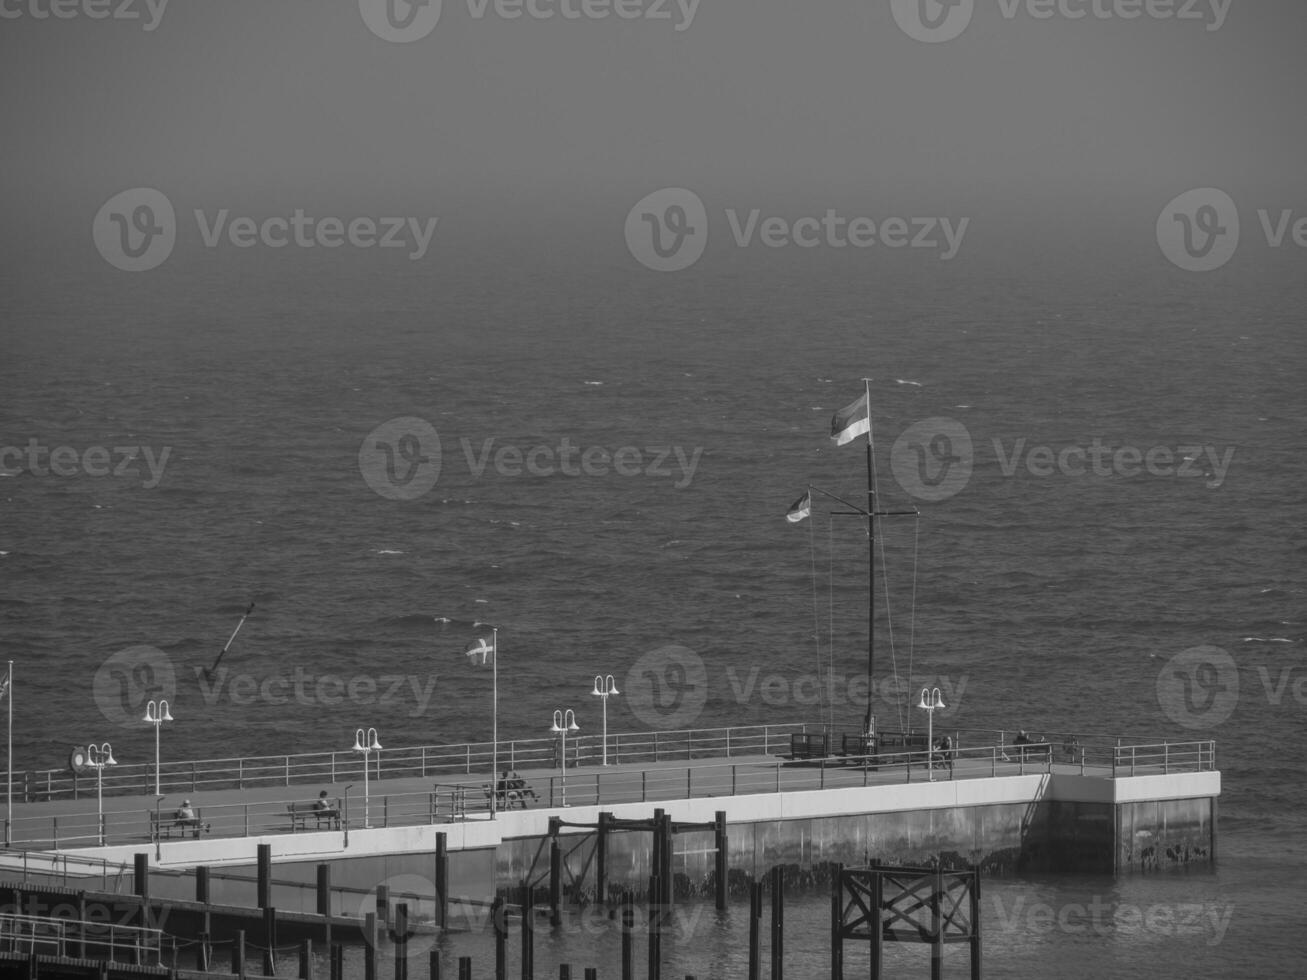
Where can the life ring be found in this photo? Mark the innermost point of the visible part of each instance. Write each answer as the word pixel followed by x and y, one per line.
pixel 77 759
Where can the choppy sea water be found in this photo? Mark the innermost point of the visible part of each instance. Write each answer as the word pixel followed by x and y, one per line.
pixel 1049 601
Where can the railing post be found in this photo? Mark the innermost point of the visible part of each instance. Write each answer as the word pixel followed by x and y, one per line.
pixel 655 735
pixel 765 749
pixel 240 773
pixel 192 777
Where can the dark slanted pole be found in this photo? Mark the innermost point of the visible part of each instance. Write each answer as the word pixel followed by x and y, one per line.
pixel 777 923
pixel 208 673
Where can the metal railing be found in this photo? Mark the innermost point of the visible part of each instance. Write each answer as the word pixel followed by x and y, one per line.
pixel 463 799
pixel 32 935
pixel 421 761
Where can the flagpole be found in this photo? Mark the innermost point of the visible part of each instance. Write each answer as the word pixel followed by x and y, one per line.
pixel 9 765
pixel 494 713
pixel 869 721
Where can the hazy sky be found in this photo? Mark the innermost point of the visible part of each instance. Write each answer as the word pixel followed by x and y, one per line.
pixel 797 97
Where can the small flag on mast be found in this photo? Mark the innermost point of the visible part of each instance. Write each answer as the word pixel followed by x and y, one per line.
pixel 4 686
pixel 480 648
pixel 800 509
pixel 851 421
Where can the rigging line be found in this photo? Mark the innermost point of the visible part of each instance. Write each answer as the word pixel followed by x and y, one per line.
pixel 830 578
pixel 912 627
pixel 889 621
pixel 816 615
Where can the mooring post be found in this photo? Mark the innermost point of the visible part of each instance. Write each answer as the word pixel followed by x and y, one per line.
pixel 202 884
pixel 306 959
pixel 877 923
pixel 719 832
pixel 337 962
pixel 555 882
pixel 777 923
pixel 628 937
pixel 270 936
pixel 383 908
pixel 601 858
pixel 528 933
pixel 401 941
pixel 442 877
pixel 975 924
pixel 837 922
pixel 433 964
pixel 936 927
pixel 465 968
pixel 499 919
pixel 370 946
pixel 264 859
pixel 564 971
pixel 324 889
pixel 141 886
pixel 591 973
pixel 755 923
pixel 202 953
pixel 654 928
pixel 238 954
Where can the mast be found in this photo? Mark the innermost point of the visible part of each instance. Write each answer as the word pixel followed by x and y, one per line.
pixel 869 721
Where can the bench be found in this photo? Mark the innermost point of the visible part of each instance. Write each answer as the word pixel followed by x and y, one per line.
pixel 301 812
pixel 163 824
pixel 506 798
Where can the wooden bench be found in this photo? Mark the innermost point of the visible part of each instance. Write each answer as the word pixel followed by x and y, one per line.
pixel 163 824
pixel 301 812
pixel 506 797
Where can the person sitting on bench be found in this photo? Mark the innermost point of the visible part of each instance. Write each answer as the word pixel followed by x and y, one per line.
pixel 943 757
pixel 322 808
pixel 516 782
pixel 185 818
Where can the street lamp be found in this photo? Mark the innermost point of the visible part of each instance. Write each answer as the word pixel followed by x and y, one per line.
pixel 564 723
pixel 366 742
pixel 604 686
pixel 156 713
pixel 97 757
pixel 930 700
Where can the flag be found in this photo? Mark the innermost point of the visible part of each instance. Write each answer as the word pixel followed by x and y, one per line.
pixel 800 509
pixel 850 422
pixel 480 648
pixel 4 686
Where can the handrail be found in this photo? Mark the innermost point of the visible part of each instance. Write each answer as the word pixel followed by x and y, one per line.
pixel 192 776
pixel 462 799
pixel 69 938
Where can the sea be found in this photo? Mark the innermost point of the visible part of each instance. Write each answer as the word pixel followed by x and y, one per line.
pixel 389 458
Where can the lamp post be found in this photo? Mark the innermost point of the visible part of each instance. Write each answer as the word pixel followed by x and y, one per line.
pixel 564 722
pixel 930 700
pixel 97 757
pixel 156 713
pixel 604 686
pixel 366 742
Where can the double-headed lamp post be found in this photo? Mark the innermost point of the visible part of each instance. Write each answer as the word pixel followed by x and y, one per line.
pixel 97 757
pixel 605 686
pixel 156 713
pixel 930 700
pixel 366 742
pixel 564 722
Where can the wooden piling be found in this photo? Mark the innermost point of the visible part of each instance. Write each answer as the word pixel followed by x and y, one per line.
pixel 383 908
pixel 370 946
pixel 270 937
pixel 238 954
pixel 465 968
pixel 628 936
pixel 337 962
pixel 601 858
pixel 837 922
pixel 755 938
pixel 202 884
pixel 654 928
pixel 401 941
pixel 499 919
pixel 777 923
pixel 528 932
pixel 433 964
pixel 306 959
pixel 555 882
pixel 442 878
pixel 719 833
